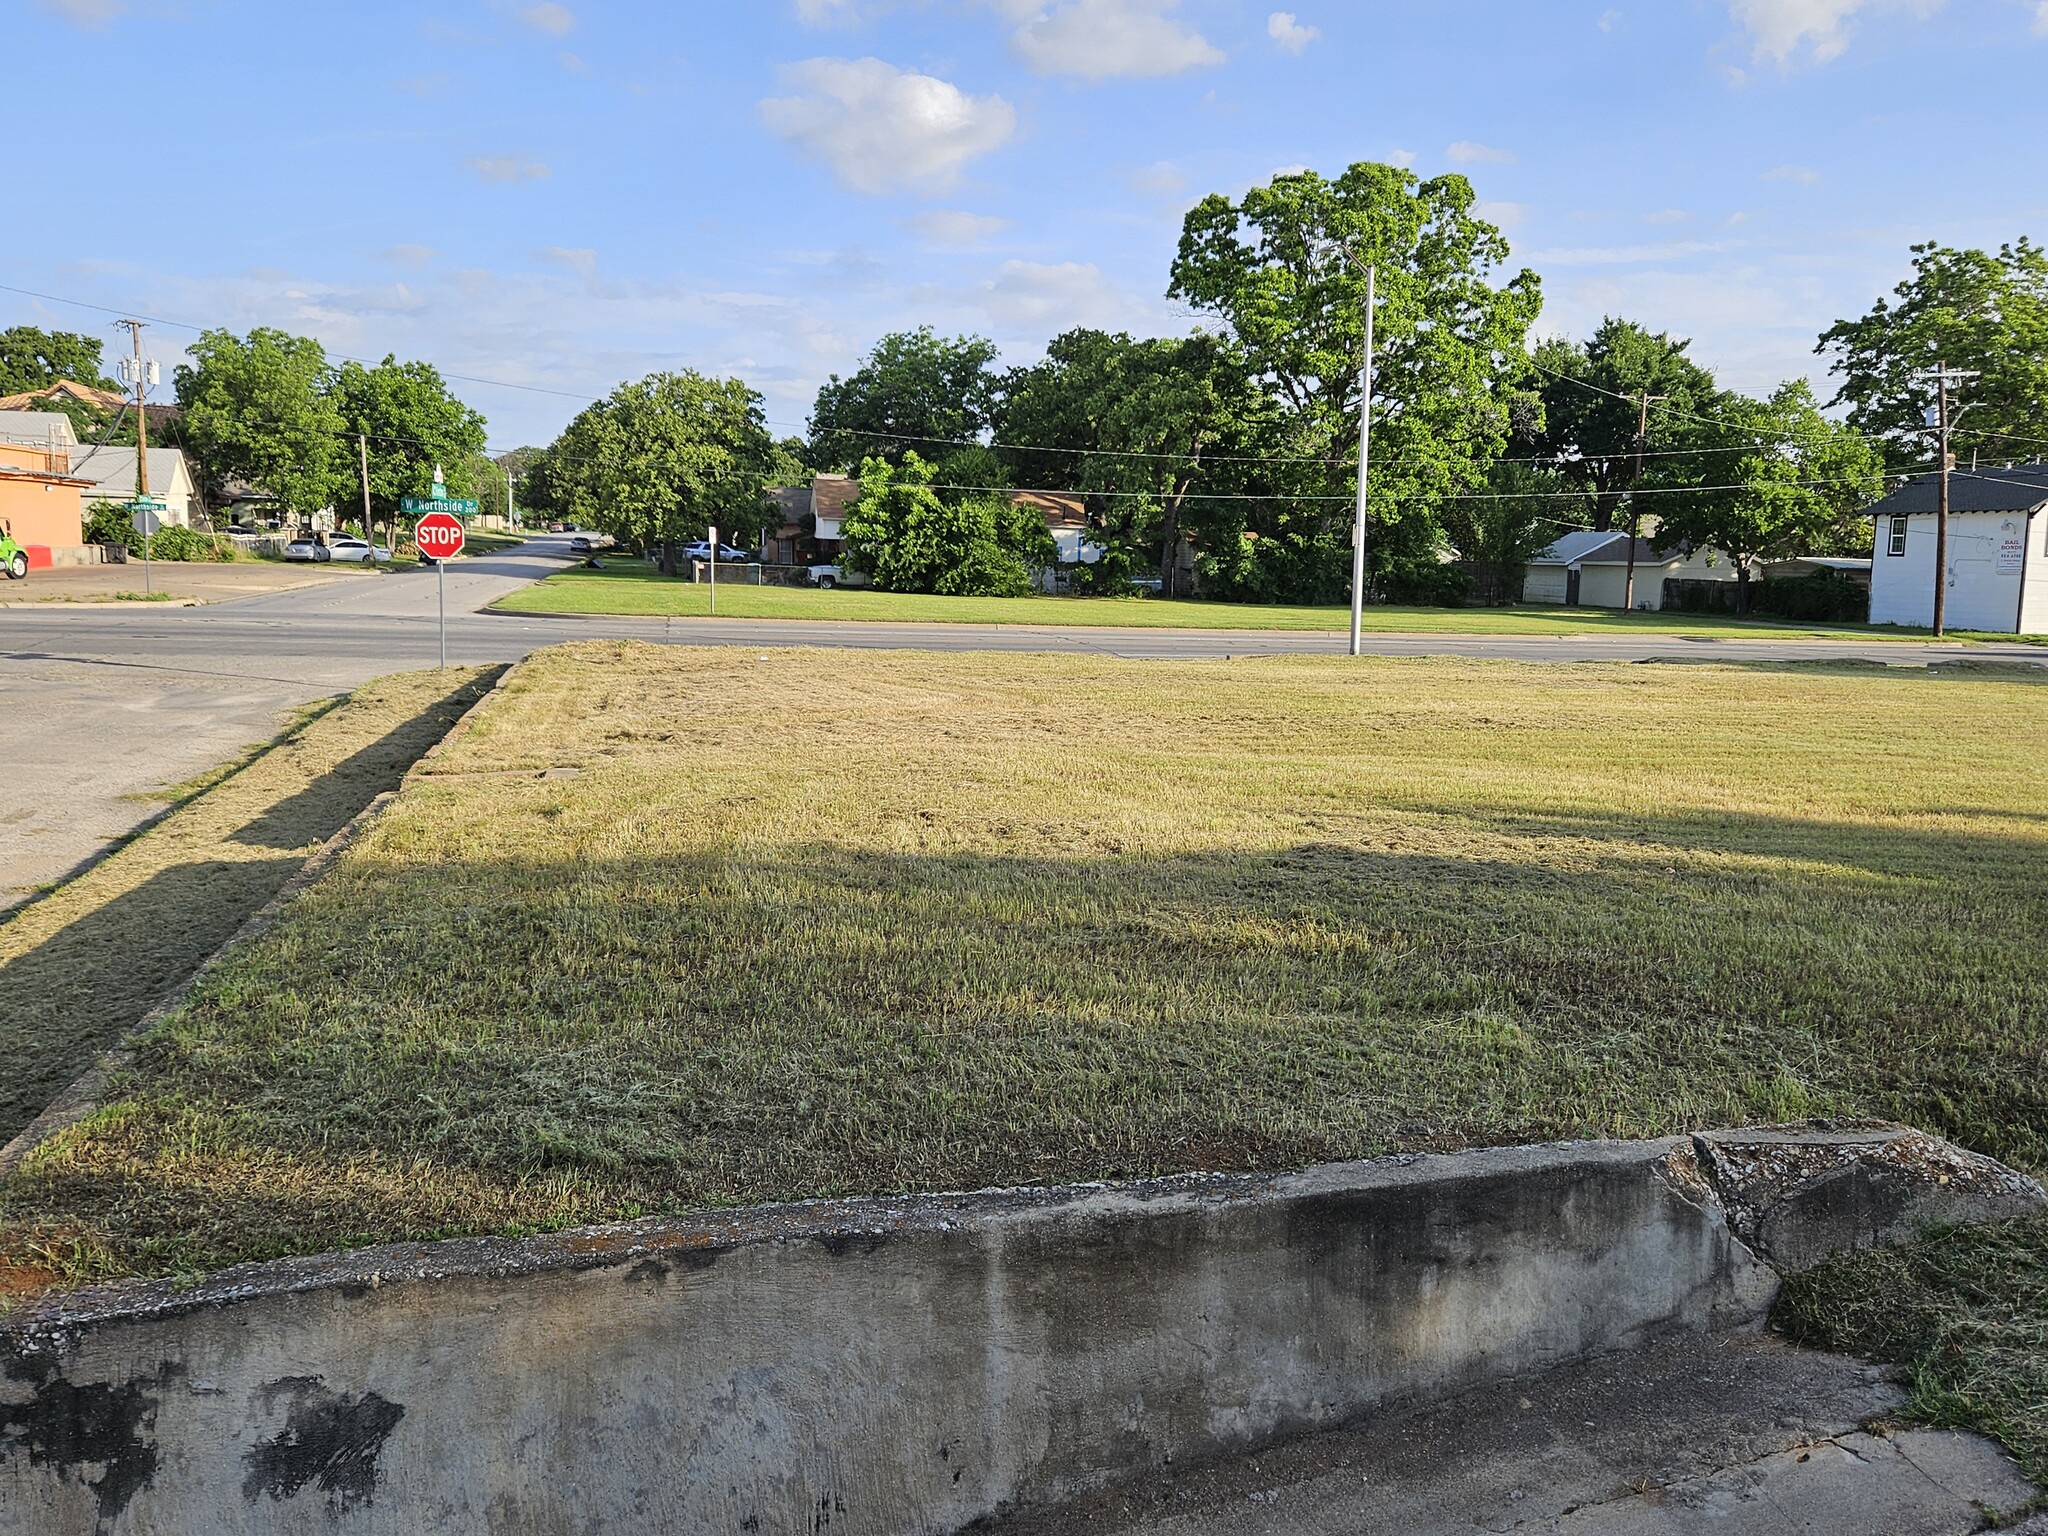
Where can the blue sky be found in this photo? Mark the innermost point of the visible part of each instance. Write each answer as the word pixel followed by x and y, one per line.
pixel 562 195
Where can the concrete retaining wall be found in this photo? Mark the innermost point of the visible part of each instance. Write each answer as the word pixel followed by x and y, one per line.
pixel 902 1366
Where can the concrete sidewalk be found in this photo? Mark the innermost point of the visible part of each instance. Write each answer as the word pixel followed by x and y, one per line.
pixel 188 581
pixel 1735 1435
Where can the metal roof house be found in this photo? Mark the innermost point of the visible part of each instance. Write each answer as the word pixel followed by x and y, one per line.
pixel 1997 576
pixel 112 471
pixel 1589 569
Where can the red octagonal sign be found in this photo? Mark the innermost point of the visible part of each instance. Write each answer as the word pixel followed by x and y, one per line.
pixel 439 535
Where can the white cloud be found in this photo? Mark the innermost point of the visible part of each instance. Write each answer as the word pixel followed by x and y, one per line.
pixel 579 259
pixel 1161 179
pixel 1609 20
pixel 2041 17
pixel 1287 170
pixel 1781 28
pixel 881 128
pixel 1047 298
pixel 946 226
pixel 574 64
pixel 823 13
pixel 1503 215
pixel 1466 152
pixel 93 15
pixel 1289 33
pixel 1107 39
pixel 1667 216
pixel 555 20
pixel 1404 158
pixel 507 168
pixel 1804 175
pixel 410 255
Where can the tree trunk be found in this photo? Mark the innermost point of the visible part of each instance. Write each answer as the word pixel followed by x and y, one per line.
pixel 668 557
pixel 1169 548
pixel 1742 586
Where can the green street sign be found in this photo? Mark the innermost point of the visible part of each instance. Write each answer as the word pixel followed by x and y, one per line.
pixel 415 506
pixel 148 504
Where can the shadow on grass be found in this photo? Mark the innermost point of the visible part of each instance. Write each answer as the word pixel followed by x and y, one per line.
pixel 524 1043
pixel 71 997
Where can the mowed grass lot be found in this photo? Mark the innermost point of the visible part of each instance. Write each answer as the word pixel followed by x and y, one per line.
pixel 813 922
pixel 630 588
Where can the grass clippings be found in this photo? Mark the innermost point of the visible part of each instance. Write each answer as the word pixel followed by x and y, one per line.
pixel 1965 1309
pixel 807 923
pixel 82 964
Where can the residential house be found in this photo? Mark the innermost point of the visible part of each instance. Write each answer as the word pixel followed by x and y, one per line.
pixel 64 389
pixel 1589 569
pixel 1997 576
pixel 171 481
pixel 827 497
pixel 40 502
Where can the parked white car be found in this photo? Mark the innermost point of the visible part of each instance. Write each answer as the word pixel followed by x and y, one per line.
pixel 347 548
pixel 830 576
pixel 305 547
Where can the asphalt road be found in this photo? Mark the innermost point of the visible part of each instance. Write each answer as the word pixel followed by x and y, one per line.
pixel 336 636
pixel 101 705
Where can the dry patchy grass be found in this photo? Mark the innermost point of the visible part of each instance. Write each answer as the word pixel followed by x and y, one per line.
pixel 862 922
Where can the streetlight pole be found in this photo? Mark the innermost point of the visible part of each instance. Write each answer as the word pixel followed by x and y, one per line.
pixel 1364 466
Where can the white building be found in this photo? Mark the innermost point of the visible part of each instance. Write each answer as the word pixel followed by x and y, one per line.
pixel 112 471
pixel 1589 569
pixel 1997 575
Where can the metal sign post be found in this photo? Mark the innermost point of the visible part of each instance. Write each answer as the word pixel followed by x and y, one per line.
pixel 440 537
pixel 142 513
pixel 712 538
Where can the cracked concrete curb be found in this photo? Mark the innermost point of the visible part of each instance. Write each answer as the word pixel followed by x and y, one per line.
pixel 911 1364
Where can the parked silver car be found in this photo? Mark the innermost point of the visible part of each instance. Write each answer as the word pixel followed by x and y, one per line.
pixel 305 547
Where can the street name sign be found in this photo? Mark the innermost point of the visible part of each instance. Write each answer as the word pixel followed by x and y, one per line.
pixel 455 506
pixel 439 535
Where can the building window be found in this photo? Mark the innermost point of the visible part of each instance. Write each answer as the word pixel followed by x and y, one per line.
pixel 1897 546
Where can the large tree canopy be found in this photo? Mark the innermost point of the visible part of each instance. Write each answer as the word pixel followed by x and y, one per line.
pixel 1962 309
pixel 664 459
pixel 1592 412
pixel 916 392
pixel 1130 422
pixel 261 410
pixel 1778 479
pixel 32 359
pixel 1284 268
pixel 410 424
pixel 908 538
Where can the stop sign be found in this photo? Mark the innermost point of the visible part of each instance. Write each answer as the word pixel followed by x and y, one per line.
pixel 439 535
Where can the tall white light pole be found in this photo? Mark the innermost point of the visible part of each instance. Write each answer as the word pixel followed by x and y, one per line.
pixel 1364 464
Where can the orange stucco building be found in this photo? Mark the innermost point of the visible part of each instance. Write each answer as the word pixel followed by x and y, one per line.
pixel 40 500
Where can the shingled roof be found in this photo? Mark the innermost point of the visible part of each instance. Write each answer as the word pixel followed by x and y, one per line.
pixel 2013 488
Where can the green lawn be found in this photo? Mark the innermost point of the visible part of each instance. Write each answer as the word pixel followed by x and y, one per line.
pixel 631 588
pixel 814 922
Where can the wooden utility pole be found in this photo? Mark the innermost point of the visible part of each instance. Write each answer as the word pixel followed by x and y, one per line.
pixel 1628 586
pixel 135 330
pixel 1944 421
pixel 363 458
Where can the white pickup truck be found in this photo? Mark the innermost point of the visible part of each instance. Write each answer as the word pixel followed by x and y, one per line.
pixel 830 576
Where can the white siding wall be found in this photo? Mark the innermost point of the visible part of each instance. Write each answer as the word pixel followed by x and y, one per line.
pixel 1980 596
pixel 2034 616
pixel 1544 584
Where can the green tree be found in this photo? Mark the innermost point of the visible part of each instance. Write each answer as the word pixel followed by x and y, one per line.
pixel 1592 413
pixel 410 424
pixel 916 391
pixel 1790 482
pixel 1129 422
pixel 32 359
pixel 1965 309
pixel 908 538
pixel 1285 269
pixel 1496 533
pixel 260 410
pixel 662 460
